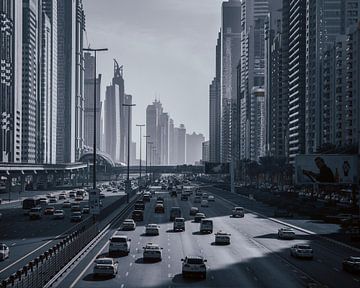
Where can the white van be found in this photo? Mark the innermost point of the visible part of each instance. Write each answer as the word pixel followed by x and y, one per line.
pixel 179 224
pixel 206 226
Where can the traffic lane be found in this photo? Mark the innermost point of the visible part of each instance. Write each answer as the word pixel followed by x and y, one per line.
pixel 37 235
pixel 131 268
pixel 326 266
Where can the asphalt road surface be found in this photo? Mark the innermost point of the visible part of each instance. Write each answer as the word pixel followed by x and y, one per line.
pixel 255 257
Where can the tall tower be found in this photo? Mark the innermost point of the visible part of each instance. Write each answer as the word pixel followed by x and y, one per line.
pixel 10 80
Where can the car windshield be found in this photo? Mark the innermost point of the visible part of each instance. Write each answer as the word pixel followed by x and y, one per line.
pixel 58 211
pixel 304 247
pixel 118 239
pixel 195 261
pixel 206 222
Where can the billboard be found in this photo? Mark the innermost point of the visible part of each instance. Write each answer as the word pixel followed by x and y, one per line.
pixel 217 168
pixel 326 168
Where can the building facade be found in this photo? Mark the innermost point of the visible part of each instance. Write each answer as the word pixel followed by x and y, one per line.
pixel 194 148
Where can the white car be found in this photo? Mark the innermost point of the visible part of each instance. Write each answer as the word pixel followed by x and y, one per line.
pixel 4 251
pixel 211 198
pixel 105 267
pixel 194 266
pixel 222 238
pixel 198 217
pixel 204 196
pixel 204 203
pixel 66 204
pixel 302 251
pixel 59 214
pixel 35 213
pixel 179 224
pixel 119 244
pixel 128 224
pixel 152 252
pixel 286 233
pixel 238 212
pixel 152 229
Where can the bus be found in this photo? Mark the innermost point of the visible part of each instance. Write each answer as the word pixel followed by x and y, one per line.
pixel 29 203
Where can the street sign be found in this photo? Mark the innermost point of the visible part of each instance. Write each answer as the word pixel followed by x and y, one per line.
pixel 94 201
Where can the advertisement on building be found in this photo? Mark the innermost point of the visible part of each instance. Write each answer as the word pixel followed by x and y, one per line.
pixel 326 169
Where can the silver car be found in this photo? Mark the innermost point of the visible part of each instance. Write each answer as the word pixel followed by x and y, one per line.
pixel 105 267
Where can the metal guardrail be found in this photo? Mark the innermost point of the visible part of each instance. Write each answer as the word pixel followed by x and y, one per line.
pixel 43 268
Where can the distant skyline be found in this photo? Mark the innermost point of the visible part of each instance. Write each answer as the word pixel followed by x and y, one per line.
pixel 167 48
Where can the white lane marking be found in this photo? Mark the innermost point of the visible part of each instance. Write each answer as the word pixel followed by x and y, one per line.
pixel 139 242
pixel 168 244
pixel 169 250
pixel 28 254
pixel 169 275
pixel 13 244
pixel 133 256
pixel 337 270
pixel 131 264
pixel 169 257
pixel 23 239
pixel 122 286
pixel 126 274
pixel 169 265
pixel 87 267
pixel 357 280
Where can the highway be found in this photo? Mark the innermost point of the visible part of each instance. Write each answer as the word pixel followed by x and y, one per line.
pixel 255 257
pixel 29 238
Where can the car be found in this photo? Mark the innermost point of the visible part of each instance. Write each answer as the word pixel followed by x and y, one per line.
pixel 198 217
pixel 193 211
pixel 206 226
pixel 211 198
pixel 43 202
pixel 198 193
pixel 283 213
pixel 204 196
pixel 79 198
pixel 174 213
pixel 238 212
pixel 351 264
pixel 128 224
pixel 86 209
pixel 119 244
pixel 35 213
pixel 194 266
pixel 52 199
pixel 62 196
pixel 76 216
pixel 173 193
pixel 184 197
pixel 66 204
pixel 146 197
pixel 302 251
pixel 75 207
pixel 152 229
pixel 105 267
pixel 4 251
pixel 59 214
pixel 152 252
pixel 137 215
pixel 139 206
pixel 222 238
pixel 102 195
pixel 197 199
pixel 160 199
pixel 49 210
pixel 286 233
pixel 204 203
pixel 159 208
pixel 179 224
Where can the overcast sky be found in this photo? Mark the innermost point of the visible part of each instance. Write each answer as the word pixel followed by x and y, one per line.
pixel 167 48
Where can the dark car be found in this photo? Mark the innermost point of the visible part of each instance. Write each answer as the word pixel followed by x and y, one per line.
pixel 159 208
pixel 351 264
pixel 49 210
pixel 173 193
pixel 139 206
pixel 138 215
pixel 184 197
pixel 146 198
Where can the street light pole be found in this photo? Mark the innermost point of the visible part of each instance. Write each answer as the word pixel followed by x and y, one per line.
pixel 128 186
pixel 140 127
pixel 94 144
pixel 154 155
pixel 146 155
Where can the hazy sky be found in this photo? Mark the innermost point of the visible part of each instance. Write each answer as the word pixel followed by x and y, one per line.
pixel 167 48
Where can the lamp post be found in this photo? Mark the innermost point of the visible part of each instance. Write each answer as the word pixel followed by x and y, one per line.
pixel 146 156
pixel 128 186
pixel 140 127
pixel 154 155
pixel 94 195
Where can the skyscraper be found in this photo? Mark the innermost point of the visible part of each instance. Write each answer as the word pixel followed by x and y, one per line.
pixel 70 116
pixel 194 148
pixel 10 77
pixel 180 146
pixel 30 80
pixel 230 56
pixel 215 108
pixel 127 137
pixel 172 153
pixel 89 62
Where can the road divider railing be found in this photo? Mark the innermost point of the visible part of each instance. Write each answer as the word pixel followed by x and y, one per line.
pixel 41 270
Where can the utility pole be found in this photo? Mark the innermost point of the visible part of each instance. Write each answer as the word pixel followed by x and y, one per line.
pixel 140 127
pixel 146 156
